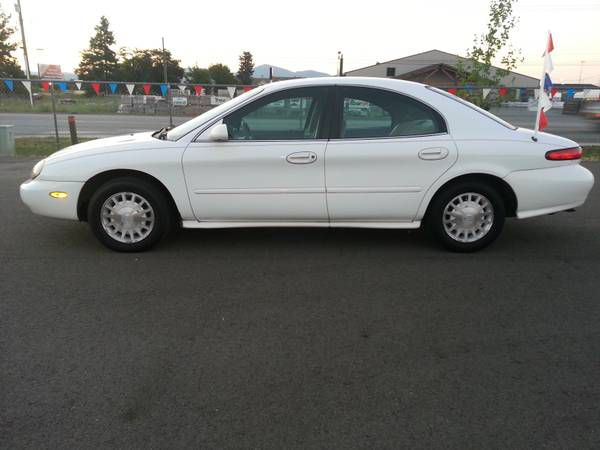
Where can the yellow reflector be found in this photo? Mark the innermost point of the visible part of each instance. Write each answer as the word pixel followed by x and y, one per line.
pixel 59 194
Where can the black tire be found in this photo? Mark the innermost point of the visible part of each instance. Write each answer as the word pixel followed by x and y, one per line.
pixel 163 216
pixel 435 216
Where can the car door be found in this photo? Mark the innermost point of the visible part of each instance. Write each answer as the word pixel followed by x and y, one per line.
pixel 387 150
pixel 271 169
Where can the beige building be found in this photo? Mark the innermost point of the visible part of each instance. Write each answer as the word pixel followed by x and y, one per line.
pixel 436 68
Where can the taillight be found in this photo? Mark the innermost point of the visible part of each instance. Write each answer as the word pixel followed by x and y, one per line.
pixel 565 154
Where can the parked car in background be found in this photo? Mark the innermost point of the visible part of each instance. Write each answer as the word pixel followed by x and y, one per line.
pixel 295 154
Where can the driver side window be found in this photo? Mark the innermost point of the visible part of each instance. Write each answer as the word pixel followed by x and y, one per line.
pixel 290 115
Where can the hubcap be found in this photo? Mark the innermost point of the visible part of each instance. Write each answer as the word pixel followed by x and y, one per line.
pixel 468 217
pixel 127 217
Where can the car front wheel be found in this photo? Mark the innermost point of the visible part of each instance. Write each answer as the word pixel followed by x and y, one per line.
pixel 467 217
pixel 129 214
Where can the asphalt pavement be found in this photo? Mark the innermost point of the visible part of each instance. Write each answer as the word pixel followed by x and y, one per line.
pixel 298 338
pixel 102 125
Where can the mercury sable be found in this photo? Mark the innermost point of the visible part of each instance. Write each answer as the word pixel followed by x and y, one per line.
pixel 323 152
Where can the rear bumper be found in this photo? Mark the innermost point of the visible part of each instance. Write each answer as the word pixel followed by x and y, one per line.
pixel 36 195
pixel 546 191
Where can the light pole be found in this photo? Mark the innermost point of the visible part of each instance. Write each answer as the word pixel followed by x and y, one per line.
pixel 27 71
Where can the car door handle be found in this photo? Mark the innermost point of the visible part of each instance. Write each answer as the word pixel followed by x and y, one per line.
pixel 433 153
pixel 301 158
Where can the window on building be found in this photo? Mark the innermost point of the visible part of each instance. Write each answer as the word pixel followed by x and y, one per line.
pixel 373 113
pixel 390 72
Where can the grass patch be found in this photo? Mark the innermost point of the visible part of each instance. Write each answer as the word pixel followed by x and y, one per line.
pixel 80 105
pixel 41 146
pixel 591 153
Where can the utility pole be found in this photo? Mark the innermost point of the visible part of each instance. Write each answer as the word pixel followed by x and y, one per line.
pixel 27 71
pixel 341 64
pixel 169 102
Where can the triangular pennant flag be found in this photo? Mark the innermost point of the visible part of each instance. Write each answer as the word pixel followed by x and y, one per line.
pixel 485 92
pixel 45 85
pixel 164 88
pixel 130 87
pixel 62 86
pixel 10 85
pixel 198 90
pixel 570 92
pixel 182 88
pixel 553 92
pixel 78 84
pixel 96 88
pixel 502 91
pixel 27 85
pixel 453 90
pixel 247 88
pixel 543 120
pixel 231 90
pixel 113 87
pixel 146 89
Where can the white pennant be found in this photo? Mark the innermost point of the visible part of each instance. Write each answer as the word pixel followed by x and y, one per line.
pixel 182 88
pixel 78 84
pixel 486 92
pixel 231 90
pixel 130 88
pixel 27 85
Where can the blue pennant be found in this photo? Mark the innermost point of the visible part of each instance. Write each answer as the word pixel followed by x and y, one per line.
pixel 570 93
pixel 62 86
pixel 164 89
pixel 547 83
pixel 113 87
pixel 9 84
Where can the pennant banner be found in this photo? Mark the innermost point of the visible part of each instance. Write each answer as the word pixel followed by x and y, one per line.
pixel 45 85
pixel 485 92
pixel 27 85
pixel 453 91
pixel 130 87
pixel 96 88
pixel 502 91
pixel 198 90
pixel 164 89
pixel 78 84
pixel 62 86
pixel 113 87
pixel 247 88
pixel 547 90
pixel 10 85
pixel 182 88
pixel 570 93
pixel 147 88
pixel 231 90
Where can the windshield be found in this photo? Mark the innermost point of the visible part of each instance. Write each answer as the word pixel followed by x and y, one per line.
pixel 473 106
pixel 183 129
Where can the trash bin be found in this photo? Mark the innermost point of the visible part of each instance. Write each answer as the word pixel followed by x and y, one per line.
pixel 7 140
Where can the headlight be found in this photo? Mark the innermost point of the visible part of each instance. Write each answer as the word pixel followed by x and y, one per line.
pixel 37 169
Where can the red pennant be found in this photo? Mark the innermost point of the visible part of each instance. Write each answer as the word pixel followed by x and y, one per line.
pixel 453 91
pixel 147 89
pixel 45 85
pixel 502 91
pixel 198 90
pixel 543 120
pixel 247 88
pixel 553 92
pixel 96 88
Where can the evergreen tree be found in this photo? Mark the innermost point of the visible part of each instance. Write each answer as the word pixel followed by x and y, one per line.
pixel 99 61
pixel 246 69
pixel 221 74
pixel 9 66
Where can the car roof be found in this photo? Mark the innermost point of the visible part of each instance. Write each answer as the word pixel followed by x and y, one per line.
pixel 400 85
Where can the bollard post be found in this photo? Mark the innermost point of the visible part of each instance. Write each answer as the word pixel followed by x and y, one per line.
pixel 54 114
pixel 73 130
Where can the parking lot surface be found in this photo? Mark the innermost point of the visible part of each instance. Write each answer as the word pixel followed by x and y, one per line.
pixel 298 338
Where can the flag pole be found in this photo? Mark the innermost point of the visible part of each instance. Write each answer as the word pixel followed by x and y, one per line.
pixel 536 129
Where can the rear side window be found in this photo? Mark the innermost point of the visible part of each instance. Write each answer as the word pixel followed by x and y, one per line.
pixel 375 113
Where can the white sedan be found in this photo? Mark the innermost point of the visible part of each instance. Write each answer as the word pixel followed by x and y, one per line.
pixel 300 153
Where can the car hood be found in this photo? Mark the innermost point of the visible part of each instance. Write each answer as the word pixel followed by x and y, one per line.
pixel 136 141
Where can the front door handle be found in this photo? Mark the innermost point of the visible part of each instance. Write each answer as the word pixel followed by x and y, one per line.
pixel 301 158
pixel 433 153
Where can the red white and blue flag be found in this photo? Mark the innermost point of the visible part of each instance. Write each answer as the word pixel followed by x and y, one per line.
pixel 547 90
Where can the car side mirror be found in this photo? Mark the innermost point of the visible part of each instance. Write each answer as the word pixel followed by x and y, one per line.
pixel 219 133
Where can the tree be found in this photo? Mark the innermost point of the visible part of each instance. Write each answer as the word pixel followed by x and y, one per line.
pixel 99 60
pixel 246 69
pixel 198 75
pixel 493 45
pixel 9 66
pixel 220 74
pixel 147 65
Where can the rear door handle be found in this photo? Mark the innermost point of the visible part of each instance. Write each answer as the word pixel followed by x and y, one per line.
pixel 433 153
pixel 301 158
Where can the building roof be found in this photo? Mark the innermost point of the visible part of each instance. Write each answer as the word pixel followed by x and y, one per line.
pixel 422 60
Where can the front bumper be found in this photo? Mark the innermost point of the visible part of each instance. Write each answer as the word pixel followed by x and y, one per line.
pixel 36 195
pixel 546 191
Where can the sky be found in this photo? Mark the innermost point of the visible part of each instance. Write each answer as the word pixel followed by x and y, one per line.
pixel 307 34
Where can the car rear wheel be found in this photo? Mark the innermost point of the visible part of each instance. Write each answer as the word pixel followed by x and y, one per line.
pixel 129 215
pixel 467 217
